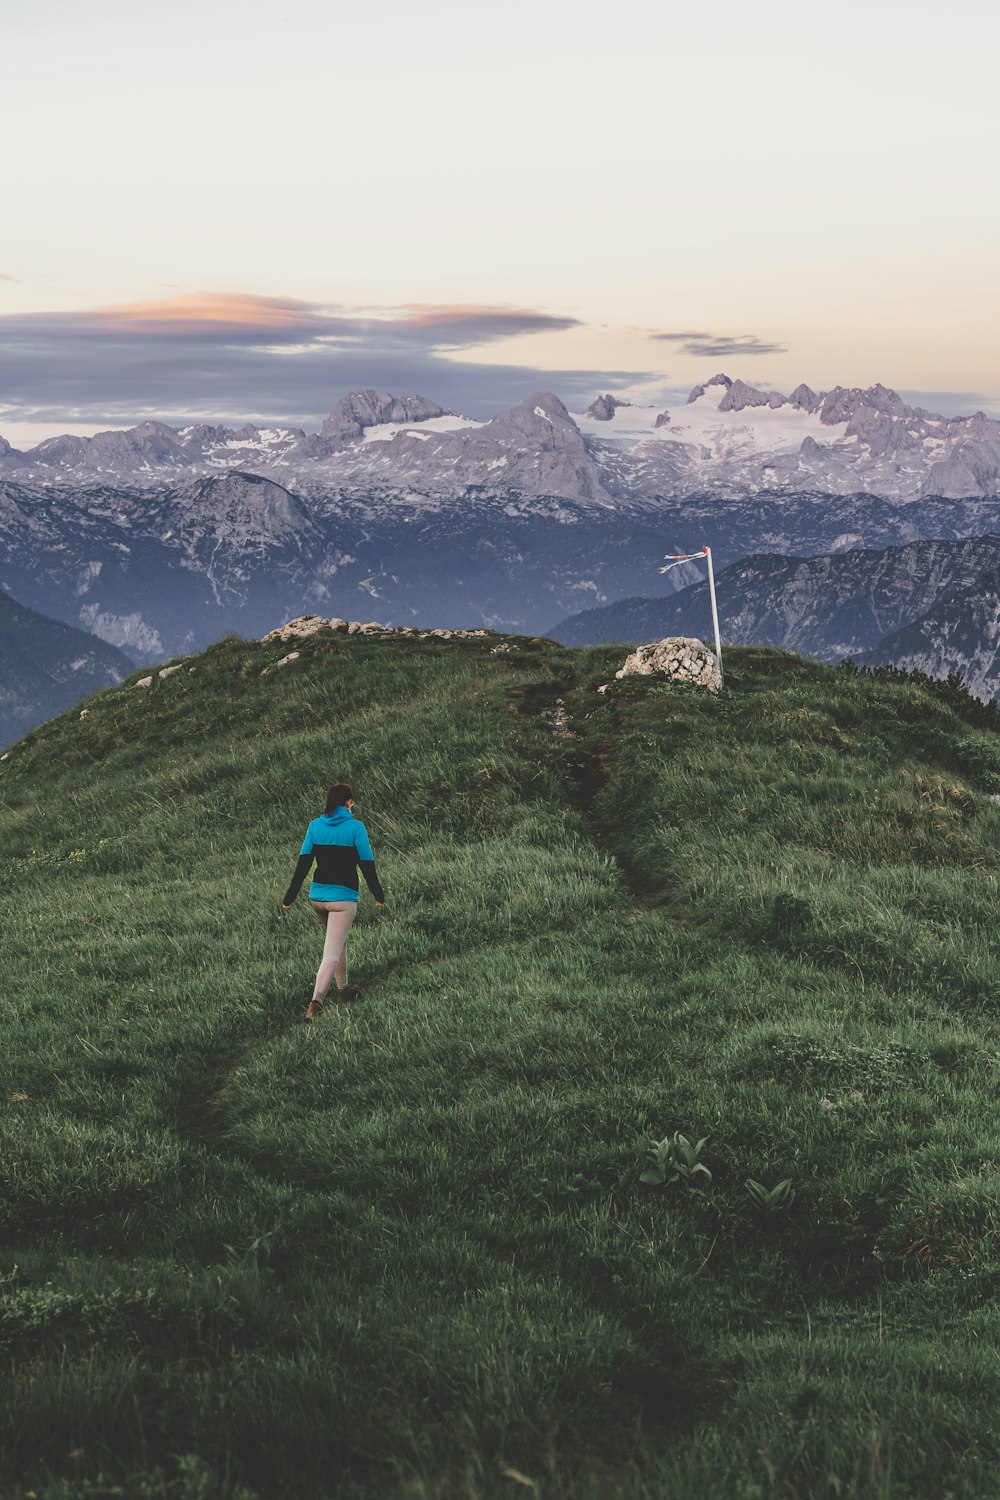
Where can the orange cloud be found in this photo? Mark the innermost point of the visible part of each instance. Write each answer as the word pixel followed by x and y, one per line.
pixel 209 312
pixel 242 317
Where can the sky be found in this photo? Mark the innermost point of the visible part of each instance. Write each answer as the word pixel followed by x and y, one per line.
pixel 240 211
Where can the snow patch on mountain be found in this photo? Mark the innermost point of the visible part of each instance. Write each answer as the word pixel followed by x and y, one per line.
pixel 384 432
pixel 704 424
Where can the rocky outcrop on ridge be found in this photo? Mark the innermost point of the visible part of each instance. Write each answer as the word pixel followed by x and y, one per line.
pixel 740 395
pixel 304 626
pixel 679 659
pixel 701 390
pixel 604 408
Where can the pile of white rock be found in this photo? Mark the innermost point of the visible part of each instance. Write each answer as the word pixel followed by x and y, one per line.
pixel 306 625
pixel 678 657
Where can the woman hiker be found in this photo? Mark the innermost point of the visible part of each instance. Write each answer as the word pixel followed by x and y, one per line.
pixel 339 844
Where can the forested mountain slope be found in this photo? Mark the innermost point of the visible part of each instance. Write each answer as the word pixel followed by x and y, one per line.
pixel 45 666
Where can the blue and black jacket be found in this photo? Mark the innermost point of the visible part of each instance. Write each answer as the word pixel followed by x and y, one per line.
pixel 339 845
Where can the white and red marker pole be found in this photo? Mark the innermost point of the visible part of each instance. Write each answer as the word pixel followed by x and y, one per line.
pixel 715 609
pixel 672 560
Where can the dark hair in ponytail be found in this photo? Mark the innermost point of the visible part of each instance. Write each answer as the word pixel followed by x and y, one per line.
pixel 337 796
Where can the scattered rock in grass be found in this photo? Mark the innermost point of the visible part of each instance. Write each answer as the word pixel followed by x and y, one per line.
pixel 145 681
pixel 7 756
pixel 557 720
pixel 292 656
pixel 85 713
pixel 678 658
pixel 302 625
pixel 169 671
pixel 447 635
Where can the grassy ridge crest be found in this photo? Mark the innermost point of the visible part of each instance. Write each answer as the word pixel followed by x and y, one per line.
pixel 409 1251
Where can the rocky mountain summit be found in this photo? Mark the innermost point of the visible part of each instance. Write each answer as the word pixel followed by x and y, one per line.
pixel 360 410
pixel 730 438
pixel 604 408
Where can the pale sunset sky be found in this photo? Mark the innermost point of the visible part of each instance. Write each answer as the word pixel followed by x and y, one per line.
pixel 232 211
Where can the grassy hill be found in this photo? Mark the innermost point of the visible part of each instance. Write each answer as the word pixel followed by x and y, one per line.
pixel 408 1251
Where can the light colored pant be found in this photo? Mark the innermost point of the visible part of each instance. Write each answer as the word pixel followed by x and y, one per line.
pixel 337 917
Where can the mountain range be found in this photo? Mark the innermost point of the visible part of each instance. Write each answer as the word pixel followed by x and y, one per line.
pixel 729 438
pixel 158 540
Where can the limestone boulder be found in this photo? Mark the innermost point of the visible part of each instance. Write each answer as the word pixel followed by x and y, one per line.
pixel 679 658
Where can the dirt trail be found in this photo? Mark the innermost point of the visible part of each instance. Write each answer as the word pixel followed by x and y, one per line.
pixel 585 755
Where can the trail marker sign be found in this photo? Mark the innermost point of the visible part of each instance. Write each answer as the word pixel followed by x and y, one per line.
pixel 674 560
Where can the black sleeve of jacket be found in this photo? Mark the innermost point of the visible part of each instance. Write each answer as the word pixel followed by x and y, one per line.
pixel 301 871
pixel 367 868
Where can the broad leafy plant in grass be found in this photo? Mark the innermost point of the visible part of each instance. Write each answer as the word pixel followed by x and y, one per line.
pixel 677 1160
pixel 407 1251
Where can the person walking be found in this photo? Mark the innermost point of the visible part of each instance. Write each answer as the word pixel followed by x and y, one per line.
pixel 338 843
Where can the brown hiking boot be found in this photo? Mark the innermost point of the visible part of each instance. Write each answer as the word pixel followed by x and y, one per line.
pixel 315 1009
pixel 345 996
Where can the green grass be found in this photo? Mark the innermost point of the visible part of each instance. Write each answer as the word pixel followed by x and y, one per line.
pixel 406 1251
